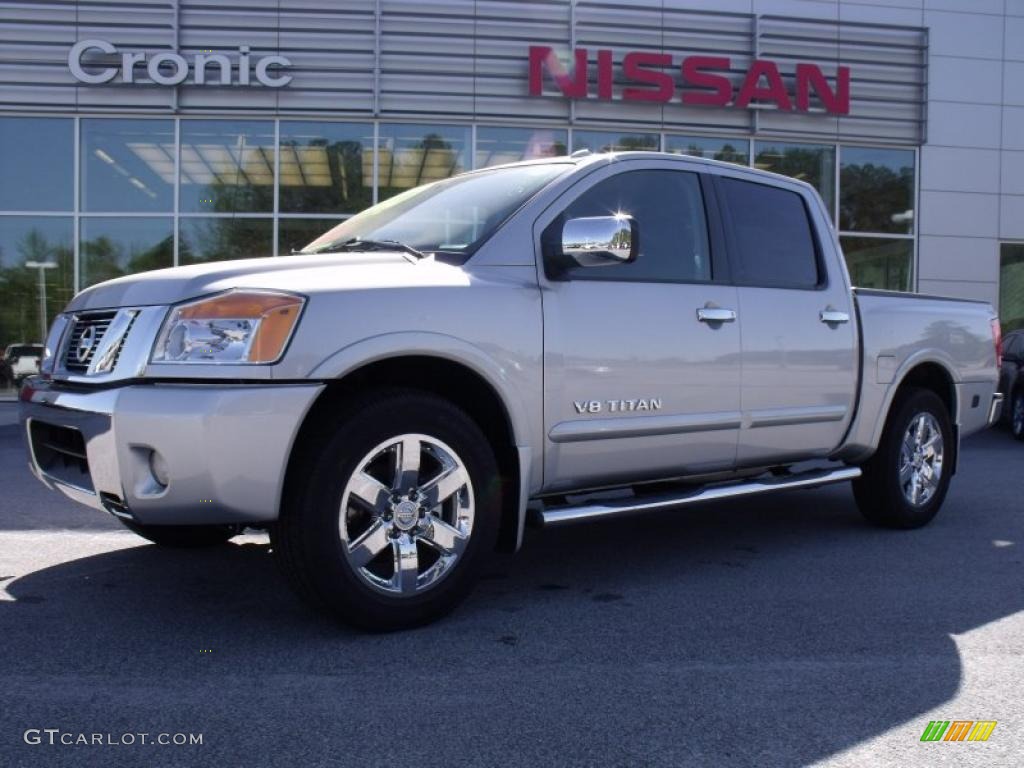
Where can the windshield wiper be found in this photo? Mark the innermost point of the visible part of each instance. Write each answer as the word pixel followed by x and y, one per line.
pixel 358 244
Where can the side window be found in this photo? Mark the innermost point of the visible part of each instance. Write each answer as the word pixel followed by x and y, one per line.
pixel 772 242
pixel 672 232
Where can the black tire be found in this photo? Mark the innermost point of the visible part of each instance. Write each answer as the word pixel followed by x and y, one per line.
pixel 879 492
pixel 1017 414
pixel 183 536
pixel 306 540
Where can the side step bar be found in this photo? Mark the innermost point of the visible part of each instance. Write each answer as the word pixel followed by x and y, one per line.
pixel 628 506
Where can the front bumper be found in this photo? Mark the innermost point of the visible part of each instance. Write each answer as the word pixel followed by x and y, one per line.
pixel 225 447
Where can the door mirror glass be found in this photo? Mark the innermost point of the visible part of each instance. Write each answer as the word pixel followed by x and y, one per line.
pixel 599 241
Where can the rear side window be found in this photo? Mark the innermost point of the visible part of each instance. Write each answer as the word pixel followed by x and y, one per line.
pixel 672 229
pixel 772 242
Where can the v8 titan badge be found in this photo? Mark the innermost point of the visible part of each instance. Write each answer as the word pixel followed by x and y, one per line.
pixel 617 406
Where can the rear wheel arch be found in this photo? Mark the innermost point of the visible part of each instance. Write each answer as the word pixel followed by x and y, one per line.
pixel 446 378
pixel 934 377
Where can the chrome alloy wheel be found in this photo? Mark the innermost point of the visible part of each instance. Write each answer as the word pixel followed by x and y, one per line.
pixel 406 514
pixel 921 455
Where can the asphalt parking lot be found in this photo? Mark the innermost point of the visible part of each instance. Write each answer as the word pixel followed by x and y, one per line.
pixel 779 631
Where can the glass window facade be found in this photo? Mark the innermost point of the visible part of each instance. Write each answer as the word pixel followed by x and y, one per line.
pixel 218 238
pixel 876 190
pixel 36 274
pixel 710 147
pixel 110 247
pixel 127 165
pixel 495 146
pixel 410 155
pixel 813 163
pixel 41 149
pixel 613 141
pixel 1011 286
pixel 325 167
pixel 227 166
pixel 153 192
pixel 879 262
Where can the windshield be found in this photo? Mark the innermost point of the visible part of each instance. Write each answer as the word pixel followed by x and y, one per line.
pixel 452 216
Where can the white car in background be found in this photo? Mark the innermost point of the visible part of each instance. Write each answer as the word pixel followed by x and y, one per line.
pixel 22 361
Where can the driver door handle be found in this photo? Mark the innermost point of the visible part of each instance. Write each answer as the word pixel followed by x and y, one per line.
pixel 716 315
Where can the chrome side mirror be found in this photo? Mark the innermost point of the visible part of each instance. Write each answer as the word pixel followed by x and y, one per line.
pixel 600 241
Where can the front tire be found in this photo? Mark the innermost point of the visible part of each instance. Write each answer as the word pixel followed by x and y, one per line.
pixel 904 484
pixel 183 536
pixel 391 513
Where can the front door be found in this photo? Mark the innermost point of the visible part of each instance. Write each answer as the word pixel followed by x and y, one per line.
pixel 637 385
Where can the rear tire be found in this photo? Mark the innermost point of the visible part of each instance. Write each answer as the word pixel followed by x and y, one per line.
pixel 1017 414
pixel 904 484
pixel 183 536
pixel 367 530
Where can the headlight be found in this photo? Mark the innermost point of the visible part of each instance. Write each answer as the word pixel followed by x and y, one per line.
pixel 238 326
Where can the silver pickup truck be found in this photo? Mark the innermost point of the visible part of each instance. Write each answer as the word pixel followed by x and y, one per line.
pixel 556 341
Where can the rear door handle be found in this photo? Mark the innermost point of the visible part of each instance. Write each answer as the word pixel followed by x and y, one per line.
pixel 716 315
pixel 834 316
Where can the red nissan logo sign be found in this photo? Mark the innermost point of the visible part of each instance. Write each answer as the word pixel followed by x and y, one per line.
pixel 700 78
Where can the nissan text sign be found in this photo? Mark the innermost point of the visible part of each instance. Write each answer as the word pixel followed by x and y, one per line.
pixel 698 80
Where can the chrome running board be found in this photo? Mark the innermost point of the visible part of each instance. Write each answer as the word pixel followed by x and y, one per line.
pixel 631 505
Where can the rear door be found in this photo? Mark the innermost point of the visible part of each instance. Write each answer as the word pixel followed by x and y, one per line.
pixel 799 346
pixel 636 386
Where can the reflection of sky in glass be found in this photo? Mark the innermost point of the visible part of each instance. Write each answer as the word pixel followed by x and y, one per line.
pixel 15 248
pixel 36 164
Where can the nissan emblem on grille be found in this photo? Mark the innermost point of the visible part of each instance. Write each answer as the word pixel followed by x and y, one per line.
pixel 85 344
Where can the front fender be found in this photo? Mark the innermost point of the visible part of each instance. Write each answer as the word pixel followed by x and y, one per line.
pixel 420 343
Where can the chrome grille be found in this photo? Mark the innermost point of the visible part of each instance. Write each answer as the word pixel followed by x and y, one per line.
pixel 93 323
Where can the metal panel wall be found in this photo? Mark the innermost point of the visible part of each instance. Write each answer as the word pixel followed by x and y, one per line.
pixel 461 60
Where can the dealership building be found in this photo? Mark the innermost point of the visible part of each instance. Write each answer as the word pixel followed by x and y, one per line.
pixel 140 135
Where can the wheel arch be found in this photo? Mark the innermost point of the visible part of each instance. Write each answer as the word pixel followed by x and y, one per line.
pixel 448 368
pixel 935 376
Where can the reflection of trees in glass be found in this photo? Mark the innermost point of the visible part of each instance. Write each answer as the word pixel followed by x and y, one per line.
pixel 727 154
pixel 106 258
pixel 613 143
pixel 19 285
pixel 217 239
pixel 872 194
pixel 877 263
pixel 810 164
pixel 413 162
pixel 348 190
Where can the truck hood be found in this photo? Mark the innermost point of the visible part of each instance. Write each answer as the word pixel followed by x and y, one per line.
pixel 300 274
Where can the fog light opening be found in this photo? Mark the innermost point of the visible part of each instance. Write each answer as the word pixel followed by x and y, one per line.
pixel 158 468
